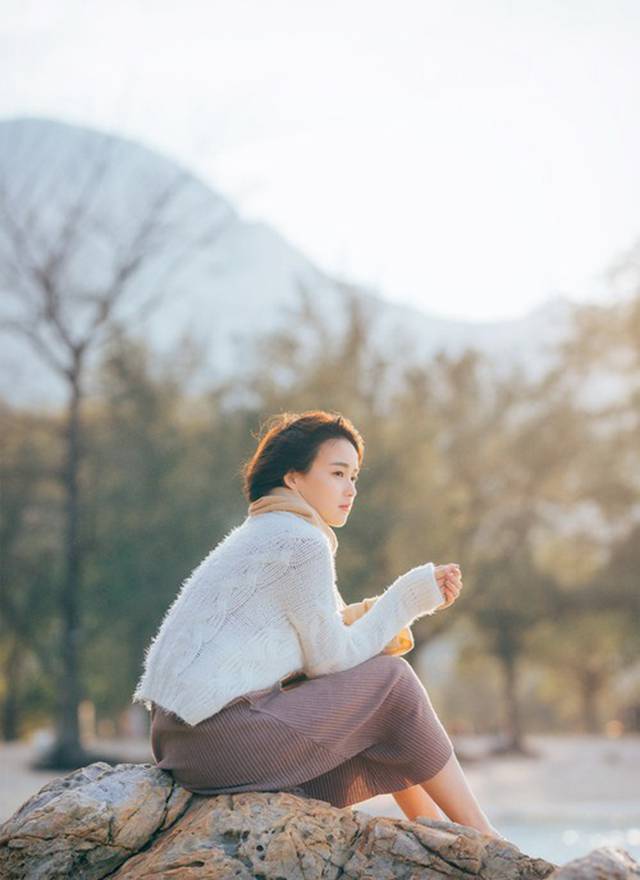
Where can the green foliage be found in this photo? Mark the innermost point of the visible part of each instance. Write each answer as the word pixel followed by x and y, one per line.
pixel 530 491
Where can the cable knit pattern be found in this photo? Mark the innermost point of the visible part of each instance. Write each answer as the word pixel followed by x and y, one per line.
pixel 262 604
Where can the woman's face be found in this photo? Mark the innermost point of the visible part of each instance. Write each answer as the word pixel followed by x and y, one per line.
pixel 329 486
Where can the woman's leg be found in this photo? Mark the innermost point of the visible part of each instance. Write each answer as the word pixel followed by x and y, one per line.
pixel 451 792
pixel 414 801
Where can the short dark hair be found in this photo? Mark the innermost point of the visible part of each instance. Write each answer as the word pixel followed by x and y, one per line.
pixel 289 442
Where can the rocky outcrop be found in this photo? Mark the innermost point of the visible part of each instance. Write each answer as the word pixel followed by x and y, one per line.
pixel 605 863
pixel 131 821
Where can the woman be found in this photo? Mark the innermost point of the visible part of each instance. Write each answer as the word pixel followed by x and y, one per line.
pixel 255 682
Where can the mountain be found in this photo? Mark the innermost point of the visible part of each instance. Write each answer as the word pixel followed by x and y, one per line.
pixel 236 280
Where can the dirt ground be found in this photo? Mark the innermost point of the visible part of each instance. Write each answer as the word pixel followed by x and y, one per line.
pixel 575 778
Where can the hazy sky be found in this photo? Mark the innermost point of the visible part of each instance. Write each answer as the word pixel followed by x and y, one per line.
pixel 472 157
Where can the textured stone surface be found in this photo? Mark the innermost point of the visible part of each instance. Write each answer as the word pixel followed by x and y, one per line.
pixel 605 863
pixel 87 823
pixel 131 821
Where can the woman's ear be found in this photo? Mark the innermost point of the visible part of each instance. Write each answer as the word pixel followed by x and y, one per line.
pixel 289 480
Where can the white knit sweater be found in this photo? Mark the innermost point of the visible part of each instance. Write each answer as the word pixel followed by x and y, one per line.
pixel 262 604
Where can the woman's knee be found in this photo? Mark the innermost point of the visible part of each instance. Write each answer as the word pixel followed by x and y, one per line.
pixel 392 666
pixel 387 661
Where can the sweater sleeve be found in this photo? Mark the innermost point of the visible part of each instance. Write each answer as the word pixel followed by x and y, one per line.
pixel 313 609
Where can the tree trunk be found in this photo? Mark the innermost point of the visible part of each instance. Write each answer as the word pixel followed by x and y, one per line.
pixel 67 751
pixel 12 670
pixel 514 731
pixel 514 739
pixel 590 684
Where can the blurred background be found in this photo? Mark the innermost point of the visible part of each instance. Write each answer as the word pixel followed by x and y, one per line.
pixel 423 215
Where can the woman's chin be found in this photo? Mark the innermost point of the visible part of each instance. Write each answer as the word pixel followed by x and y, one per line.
pixel 339 519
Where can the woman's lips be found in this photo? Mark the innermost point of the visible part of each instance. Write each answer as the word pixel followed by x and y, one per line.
pixel 345 507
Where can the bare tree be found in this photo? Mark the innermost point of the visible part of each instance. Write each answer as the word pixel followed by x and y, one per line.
pixel 84 249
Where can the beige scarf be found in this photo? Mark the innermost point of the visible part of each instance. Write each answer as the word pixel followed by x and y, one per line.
pixel 284 498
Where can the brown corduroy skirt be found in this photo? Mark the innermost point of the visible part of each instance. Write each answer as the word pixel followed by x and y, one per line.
pixel 342 737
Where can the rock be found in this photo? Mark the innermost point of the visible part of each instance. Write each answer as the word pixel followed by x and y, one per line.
pixel 607 862
pixel 277 835
pixel 131 821
pixel 89 822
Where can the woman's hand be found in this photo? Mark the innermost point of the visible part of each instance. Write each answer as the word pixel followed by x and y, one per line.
pixel 449 580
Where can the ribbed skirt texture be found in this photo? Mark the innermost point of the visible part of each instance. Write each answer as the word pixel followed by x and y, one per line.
pixel 342 737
